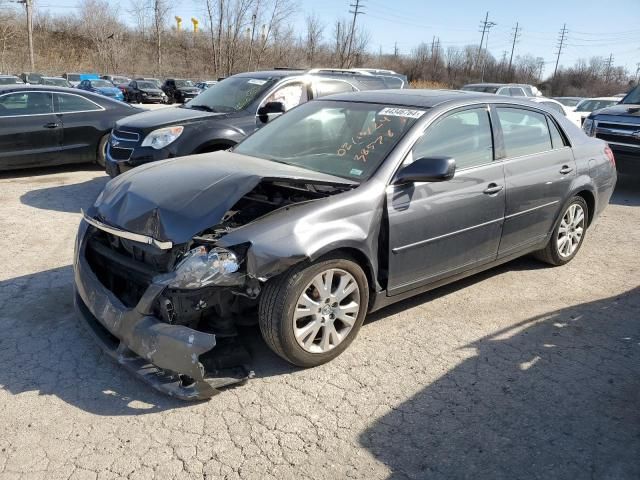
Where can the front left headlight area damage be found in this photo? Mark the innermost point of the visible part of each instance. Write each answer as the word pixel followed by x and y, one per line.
pixel 172 313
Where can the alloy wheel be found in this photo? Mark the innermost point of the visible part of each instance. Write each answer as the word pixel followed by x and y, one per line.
pixel 326 311
pixel 571 230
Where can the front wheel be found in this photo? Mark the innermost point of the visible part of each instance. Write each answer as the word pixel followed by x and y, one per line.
pixel 101 154
pixel 568 235
pixel 310 314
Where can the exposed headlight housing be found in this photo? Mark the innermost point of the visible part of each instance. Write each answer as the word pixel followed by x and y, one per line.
pixel 162 137
pixel 201 267
pixel 589 127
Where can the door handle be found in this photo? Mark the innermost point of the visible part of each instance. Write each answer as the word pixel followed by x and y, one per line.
pixel 51 125
pixel 566 169
pixel 492 189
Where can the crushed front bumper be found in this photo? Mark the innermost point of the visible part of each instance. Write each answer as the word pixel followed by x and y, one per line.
pixel 165 356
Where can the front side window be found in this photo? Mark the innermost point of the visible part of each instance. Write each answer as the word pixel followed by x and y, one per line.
pixel 525 132
pixel 345 139
pixel 290 95
pixel 74 103
pixel 26 103
pixel 465 136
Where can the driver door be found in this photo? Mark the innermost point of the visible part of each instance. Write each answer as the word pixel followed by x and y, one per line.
pixel 439 229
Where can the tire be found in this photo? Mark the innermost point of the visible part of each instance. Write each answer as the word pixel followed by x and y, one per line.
pixel 280 301
pixel 102 151
pixel 138 98
pixel 559 251
pixel 171 99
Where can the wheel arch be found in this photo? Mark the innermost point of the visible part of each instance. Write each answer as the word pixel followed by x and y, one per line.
pixel 590 198
pixel 214 145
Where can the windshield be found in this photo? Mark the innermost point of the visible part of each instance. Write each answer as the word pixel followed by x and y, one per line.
pixel 184 83
pixel 481 88
pixel 147 85
pixel 632 97
pixel 73 77
pixel 232 94
pixel 101 83
pixel 593 105
pixel 9 80
pixel 345 139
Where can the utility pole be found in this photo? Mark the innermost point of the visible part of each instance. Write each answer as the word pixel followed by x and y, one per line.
pixel 607 74
pixel 484 29
pixel 563 37
pixel 356 11
pixel 637 72
pixel 488 27
pixel 516 34
pixel 395 50
pixel 28 5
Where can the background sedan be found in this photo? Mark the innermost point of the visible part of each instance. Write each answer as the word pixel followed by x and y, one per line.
pixel 42 125
pixel 103 87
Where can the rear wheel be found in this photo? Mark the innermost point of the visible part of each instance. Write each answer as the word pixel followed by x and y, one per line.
pixel 568 235
pixel 310 314
pixel 101 154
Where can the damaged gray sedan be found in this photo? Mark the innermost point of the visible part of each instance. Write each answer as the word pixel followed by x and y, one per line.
pixel 338 208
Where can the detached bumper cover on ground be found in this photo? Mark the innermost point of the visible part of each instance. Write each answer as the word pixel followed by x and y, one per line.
pixel 164 355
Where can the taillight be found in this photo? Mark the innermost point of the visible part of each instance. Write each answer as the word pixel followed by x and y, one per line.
pixel 609 154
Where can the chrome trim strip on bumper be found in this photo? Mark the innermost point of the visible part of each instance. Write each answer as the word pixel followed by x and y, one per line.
pixel 136 237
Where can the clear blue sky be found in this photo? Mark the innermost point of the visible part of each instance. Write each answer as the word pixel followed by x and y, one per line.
pixel 595 27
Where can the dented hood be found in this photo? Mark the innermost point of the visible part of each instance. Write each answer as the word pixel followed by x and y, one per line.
pixel 174 200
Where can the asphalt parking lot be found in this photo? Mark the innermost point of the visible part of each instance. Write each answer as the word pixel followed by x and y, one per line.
pixel 524 371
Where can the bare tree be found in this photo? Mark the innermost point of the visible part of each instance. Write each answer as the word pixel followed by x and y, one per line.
pixel 315 29
pixel 8 32
pixel 160 10
pixel 100 24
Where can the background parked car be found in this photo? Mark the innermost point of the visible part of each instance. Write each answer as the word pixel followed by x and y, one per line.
pixel 588 105
pixel 116 79
pixel 103 87
pixel 510 90
pixel 569 102
pixel 157 82
pixel 144 91
pixel 551 103
pixel 179 90
pixel 205 84
pixel 10 80
pixel 55 82
pixel 31 78
pixel 42 125
pixel 223 115
pixel 75 78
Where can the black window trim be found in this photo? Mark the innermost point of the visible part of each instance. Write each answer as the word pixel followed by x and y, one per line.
pixel 56 105
pixel 30 114
pixel 504 156
pixel 438 119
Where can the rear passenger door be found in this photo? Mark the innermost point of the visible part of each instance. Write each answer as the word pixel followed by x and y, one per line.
pixel 539 168
pixel 80 126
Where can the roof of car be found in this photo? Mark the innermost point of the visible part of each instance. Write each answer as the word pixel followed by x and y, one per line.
pixel 409 97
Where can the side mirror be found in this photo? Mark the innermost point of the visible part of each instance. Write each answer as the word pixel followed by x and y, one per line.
pixel 427 169
pixel 270 110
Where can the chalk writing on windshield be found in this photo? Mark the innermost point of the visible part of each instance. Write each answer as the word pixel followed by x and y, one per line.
pixel 362 149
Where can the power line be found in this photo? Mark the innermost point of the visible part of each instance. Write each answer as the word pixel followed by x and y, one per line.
pixel 563 36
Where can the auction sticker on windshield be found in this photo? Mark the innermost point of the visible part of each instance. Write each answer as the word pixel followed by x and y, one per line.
pixel 255 81
pixel 401 112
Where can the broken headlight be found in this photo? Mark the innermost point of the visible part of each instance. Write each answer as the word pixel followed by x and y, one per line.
pixel 201 267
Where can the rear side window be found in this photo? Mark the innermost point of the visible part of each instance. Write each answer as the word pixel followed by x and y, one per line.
pixel 74 103
pixel 329 87
pixel 26 103
pixel 525 132
pixel 556 137
pixel 464 136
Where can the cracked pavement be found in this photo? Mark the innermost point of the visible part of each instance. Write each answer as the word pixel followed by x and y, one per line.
pixel 523 371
